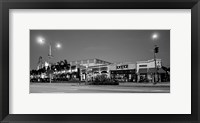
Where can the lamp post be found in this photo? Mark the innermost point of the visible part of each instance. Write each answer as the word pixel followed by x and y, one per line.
pixel 155 36
pixel 42 41
pixel 50 56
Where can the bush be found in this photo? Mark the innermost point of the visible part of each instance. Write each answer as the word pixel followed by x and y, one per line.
pixel 103 80
pixel 74 80
pixel 103 83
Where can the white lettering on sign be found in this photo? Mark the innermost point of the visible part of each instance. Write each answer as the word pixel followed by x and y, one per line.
pixel 121 66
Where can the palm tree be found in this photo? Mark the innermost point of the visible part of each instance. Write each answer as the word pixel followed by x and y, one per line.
pixel 62 65
pixel 58 67
pixel 66 65
pixel 53 67
pixel 165 68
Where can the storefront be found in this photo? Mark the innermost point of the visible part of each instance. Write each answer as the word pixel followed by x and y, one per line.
pixel 124 75
pixel 124 72
pixel 91 72
pixel 151 74
pixel 159 73
pixel 88 70
pixel 142 75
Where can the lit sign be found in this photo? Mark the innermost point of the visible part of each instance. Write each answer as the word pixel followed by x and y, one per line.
pixel 122 67
pixel 142 65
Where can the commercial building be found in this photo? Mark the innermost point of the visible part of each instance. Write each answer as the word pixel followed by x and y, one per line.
pixel 123 72
pixel 147 71
pixel 89 69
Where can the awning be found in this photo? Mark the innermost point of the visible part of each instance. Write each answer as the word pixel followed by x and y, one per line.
pixel 131 71
pixel 103 68
pixel 95 69
pixel 159 70
pixel 104 72
pixel 143 70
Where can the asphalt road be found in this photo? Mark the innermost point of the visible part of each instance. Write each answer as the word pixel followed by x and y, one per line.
pixel 76 88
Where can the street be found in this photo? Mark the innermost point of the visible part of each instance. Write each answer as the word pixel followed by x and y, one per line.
pixel 76 88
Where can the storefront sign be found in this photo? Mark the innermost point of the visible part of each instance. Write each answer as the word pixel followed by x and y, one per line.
pixel 122 67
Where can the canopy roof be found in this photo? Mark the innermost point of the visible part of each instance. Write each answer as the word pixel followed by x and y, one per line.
pixel 142 70
pixel 159 70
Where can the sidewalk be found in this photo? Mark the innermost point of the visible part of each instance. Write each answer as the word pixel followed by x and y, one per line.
pixel 160 84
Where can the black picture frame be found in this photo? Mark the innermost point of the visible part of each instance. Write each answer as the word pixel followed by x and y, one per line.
pixel 5 5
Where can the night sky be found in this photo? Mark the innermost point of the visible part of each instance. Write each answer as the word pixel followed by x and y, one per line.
pixel 109 45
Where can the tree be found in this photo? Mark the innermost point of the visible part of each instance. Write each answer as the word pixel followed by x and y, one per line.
pixel 58 67
pixel 164 68
pixel 66 65
pixel 62 65
pixel 168 69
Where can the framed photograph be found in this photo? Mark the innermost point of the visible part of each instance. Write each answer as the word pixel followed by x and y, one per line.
pixel 99 61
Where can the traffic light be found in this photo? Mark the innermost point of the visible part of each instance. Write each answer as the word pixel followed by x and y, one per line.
pixel 156 49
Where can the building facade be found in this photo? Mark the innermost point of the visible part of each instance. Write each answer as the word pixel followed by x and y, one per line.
pixel 148 72
pixel 89 69
pixel 125 72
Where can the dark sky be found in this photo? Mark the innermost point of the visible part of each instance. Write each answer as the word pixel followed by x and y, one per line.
pixel 108 45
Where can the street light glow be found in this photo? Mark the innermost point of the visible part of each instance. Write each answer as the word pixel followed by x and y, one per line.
pixel 40 40
pixel 155 36
pixel 58 45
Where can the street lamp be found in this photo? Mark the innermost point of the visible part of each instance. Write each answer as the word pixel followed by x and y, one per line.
pixel 155 37
pixel 42 41
pixel 58 45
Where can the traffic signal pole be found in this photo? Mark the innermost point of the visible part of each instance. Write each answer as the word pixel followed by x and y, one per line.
pixel 155 74
pixel 155 66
